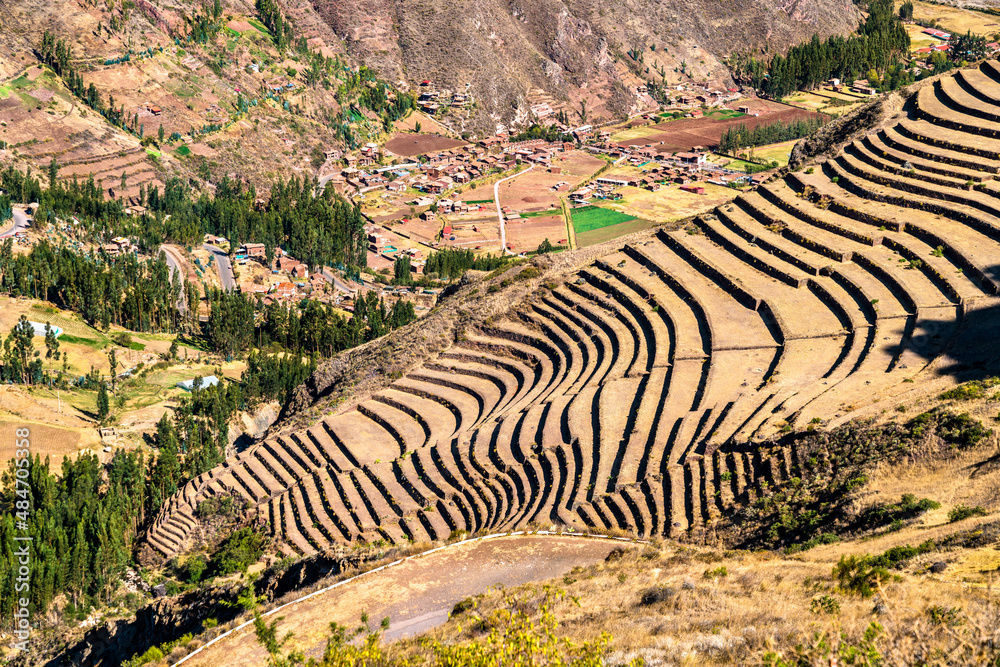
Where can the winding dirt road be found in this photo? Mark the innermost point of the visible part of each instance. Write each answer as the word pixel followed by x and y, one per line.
pixel 416 594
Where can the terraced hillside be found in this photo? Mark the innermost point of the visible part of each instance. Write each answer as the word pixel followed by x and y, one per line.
pixel 628 393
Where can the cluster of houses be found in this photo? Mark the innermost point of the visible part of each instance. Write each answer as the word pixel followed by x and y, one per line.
pixel 859 87
pixel 118 246
pixel 431 100
pixel 688 169
pixel 291 280
pixel 444 170
pixel 380 245
pixel 298 284
pixel 945 38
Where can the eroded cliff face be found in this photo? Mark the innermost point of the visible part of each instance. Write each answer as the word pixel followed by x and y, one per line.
pixel 511 52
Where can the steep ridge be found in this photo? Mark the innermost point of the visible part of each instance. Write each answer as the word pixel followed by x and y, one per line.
pixel 627 393
pixel 571 50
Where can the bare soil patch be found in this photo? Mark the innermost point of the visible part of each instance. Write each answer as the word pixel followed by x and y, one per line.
pixel 530 232
pixel 46 441
pixel 686 133
pixel 417 144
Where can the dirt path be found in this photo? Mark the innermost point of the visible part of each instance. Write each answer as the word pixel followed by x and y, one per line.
pixel 496 200
pixel 416 595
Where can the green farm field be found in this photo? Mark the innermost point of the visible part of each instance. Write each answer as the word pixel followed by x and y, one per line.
pixel 589 218
pixel 610 232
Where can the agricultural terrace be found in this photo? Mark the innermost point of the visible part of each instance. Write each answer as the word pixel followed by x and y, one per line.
pixel 41 118
pixel 684 134
pixel 779 153
pixel 826 101
pixel 594 224
pixel 589 218
pixel 624 394
pixel 427 124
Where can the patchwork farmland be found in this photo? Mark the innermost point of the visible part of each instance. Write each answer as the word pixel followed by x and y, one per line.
pixel 630 393
pixel 685 134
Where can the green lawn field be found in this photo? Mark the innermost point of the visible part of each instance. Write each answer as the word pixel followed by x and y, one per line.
pixel 589 218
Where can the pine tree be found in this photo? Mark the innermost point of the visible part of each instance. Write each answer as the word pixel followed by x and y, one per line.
pixel 51 343
pixel 103 405
pixel 113 364
pixel 53 172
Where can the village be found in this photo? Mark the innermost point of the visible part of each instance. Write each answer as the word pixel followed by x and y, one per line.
pixel 423 192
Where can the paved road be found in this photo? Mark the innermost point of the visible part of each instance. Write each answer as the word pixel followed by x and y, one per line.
pixel 415 595
pixel 496 200
pixel 332 277
pixel 20 222
pixel 175 267
pixel 224 266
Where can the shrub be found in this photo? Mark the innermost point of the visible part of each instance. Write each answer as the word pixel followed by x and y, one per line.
pixel 907 508
pixel 859 575
pixel 836 650
pixel 238 551
pixel 955 429
pixel 194 568
pixel 216 506
pixel 950 616
pixel 862 574
pixel 963 512
pixel 528 273
pixel 970 390
pixel 824 604
pixel 462 606
pixel 658 594
pixel 822 538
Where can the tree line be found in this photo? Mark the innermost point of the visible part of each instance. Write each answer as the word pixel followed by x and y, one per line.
pixel 317 227
pixel 876 48
pixel 451 263
pixel 58 55
pixel 85 519
pixel 137 294
pixel 320 329
pixel 741 136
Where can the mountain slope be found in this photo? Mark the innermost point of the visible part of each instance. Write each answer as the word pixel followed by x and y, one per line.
pixel 239 106
pixel 573 49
